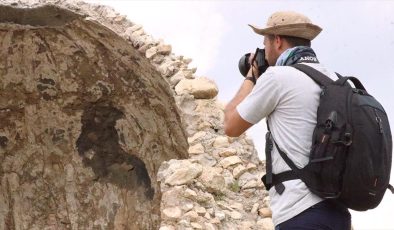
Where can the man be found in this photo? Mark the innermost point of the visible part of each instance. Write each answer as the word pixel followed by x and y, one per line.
pixel 288 99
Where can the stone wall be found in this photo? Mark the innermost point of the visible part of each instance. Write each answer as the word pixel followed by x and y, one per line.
pixel 103 127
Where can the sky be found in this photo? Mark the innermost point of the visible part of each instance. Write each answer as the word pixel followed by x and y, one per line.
pixel 357 39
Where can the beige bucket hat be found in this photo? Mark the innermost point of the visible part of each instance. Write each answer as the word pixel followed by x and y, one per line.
pixel 290 24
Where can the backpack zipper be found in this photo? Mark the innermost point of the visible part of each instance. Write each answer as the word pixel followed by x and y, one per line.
pixel 379 121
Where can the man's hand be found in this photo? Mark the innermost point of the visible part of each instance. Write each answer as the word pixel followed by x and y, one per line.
pixel 253 71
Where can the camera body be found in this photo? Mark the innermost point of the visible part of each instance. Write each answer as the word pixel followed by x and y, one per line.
pixel 244 64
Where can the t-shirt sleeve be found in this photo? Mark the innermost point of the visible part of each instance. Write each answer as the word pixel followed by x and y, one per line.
pixel 263 99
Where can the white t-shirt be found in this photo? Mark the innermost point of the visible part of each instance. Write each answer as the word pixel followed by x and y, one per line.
pixel 289 99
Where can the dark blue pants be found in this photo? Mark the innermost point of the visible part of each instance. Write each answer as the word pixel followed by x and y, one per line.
pixel 325 215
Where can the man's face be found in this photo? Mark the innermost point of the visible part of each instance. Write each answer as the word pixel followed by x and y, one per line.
pixel 271 52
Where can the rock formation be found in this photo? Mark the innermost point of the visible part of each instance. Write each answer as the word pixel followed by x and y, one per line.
pixel 102 127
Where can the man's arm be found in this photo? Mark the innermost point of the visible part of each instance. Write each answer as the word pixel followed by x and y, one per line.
pixel 234 125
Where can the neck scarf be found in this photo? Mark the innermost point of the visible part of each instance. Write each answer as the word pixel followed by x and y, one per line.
pixel 296 55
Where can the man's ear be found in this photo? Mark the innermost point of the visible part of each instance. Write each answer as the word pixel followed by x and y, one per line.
pixel 278 42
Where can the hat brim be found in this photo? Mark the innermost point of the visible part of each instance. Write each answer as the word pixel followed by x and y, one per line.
pixel 302 30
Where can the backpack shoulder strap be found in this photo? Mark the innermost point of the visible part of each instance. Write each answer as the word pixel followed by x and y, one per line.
pixel 315 75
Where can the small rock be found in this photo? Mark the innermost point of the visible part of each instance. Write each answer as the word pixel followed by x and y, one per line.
pixel 138 33
pixel 265 223
pixel 251 166
pixel 255 208
pixel 151 52
pixel 188 73
pixel 167 227
pixel 176 78
pixel 196 225
pixel 192 215
pixel 200 210
pixel 215 220
pixel 251 184
pixel 245 178
pixel 209 226
pixel 187 207
pixel 164 49
pixel 184 223
pixel 134 28
pixel 246 225
pixel 266 201
pixel 172 213
pixel 212 180
pixel 196 136
pixel 228 161
pixel 220 215
pixel 221 142
pixel 189 193
pixel 185 174
pixel 205 159
pixel 236 215
pixel 265 212
pixel 238 171
pixel 200 88
pixel 228 152
pixel 167 69
pixel 196 149
pixel 237 206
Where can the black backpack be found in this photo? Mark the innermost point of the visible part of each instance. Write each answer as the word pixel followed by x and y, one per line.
pixel 351 153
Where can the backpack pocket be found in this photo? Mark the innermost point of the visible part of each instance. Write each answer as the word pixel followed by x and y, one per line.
pixel 327 161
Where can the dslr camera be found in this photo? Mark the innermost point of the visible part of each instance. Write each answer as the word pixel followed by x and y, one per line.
pixel 262 64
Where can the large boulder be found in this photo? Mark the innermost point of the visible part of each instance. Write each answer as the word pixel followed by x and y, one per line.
pixel 86 121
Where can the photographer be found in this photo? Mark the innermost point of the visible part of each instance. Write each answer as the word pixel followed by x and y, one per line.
pixel 289 99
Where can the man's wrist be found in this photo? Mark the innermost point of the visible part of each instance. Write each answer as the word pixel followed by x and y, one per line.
pixel 252 79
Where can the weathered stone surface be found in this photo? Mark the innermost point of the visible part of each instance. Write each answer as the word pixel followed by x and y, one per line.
pixel 200 88
pixel 87 120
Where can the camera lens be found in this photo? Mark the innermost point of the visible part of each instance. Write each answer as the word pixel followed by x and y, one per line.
pixel 244 65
